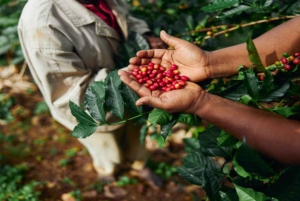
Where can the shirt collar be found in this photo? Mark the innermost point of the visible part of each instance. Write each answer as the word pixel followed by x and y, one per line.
pixel 77 13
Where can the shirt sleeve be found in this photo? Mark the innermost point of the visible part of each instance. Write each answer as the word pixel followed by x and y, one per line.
pixel 59 73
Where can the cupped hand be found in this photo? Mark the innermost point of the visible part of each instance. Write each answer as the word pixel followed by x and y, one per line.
pixel 190 59
pixel 170 101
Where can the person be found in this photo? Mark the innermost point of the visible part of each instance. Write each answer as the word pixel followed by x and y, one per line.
pixel 266 132
pixel 67 45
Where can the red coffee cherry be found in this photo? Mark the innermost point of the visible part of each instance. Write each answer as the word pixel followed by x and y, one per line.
pixel 296 61
pixel 156 77
pixel 284 60
pixel 287 67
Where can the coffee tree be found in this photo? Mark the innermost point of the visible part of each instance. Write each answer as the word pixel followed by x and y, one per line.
pixel 245 174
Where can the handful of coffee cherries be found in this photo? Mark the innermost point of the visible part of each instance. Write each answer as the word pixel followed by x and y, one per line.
pixel 157 77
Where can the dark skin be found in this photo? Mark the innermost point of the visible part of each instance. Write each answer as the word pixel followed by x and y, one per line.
pixel 265 132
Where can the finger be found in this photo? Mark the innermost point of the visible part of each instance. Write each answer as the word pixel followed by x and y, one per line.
pixel 150 101
pixel 171 40
pixel 134 85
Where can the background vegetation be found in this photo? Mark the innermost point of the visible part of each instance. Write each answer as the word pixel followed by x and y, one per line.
pixel 210 25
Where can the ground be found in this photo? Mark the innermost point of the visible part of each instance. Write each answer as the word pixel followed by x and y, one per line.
pixel 64 166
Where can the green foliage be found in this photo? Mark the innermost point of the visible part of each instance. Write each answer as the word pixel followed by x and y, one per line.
pixel 219 24
pixel 6 102
pixel 10 12
pixel 11 186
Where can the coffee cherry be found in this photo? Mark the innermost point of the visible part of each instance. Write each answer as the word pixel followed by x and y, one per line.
pixel 287 67
pixel 261 77
pixel 156 77
pixel 284 60
pixel 297 54
pixel 296 61
pixel 286 55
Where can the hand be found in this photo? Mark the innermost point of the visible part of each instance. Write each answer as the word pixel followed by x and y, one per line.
pixel 191 60
pixel 170 101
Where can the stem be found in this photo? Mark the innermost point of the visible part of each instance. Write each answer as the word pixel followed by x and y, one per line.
pixel 125 120
pixel 249 24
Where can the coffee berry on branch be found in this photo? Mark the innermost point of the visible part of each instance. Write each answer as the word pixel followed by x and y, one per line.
pixel 286 64
pixel 156 77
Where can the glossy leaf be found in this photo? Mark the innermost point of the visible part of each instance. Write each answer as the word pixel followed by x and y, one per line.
pixel 208 143
pixel 158 116
pixel 189 119
pixel 130 97
pixel 288 185
pixel 83 131
pixel 114 100
pixel 279 92
pixel 253 163
pixel 219 5
pixel 284 111
pixel 193 166
pixel 81 116
pixel 225 139
pixel 251 83
pixel 254 56
pixel 211 185
pixel 248 194
pixel 234 11
pixel 166 129
pixel 94 101
pixel 228 194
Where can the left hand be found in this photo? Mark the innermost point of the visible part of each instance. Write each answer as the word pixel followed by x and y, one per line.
pixel 170 101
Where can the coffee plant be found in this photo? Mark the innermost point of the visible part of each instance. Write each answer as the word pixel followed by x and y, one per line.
pixel 245 174
pixel 210 25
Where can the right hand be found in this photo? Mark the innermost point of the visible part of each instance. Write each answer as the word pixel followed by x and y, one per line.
pixel 170 101
pixel 192 61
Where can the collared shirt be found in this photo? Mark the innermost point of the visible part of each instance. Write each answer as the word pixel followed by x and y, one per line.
pixel 66 47
pixel 103 11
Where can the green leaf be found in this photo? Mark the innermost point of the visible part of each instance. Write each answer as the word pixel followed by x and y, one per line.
pixel 191 144
pixel 83 131
pixel 251 83
pixel 285 111
pixel 254 56
pixel 234 11
pixel 219 5
pixel 276 93
pixel 209 144
pixel 248 194
pixel 288 185
pixel 138 41
pixel 94 101
pixel 193 166
pixel 166 129
pixel 228 194
pixel 190 21
pixel 211 185
pixel 114 100
pixel 143 133
pixel 267 84
pixel 130 97
pixel 81 116
pixel 189 119
pixel 158 116
pixel 246 99
pixel 225 139
pixel 253 163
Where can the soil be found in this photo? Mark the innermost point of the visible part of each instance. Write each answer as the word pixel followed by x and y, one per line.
pixel 63 165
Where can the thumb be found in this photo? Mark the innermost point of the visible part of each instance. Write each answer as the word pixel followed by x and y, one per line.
pixel 170 40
